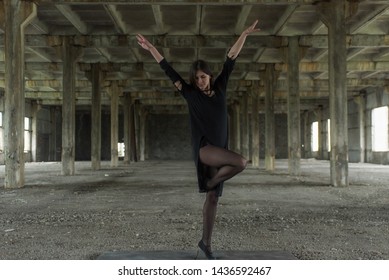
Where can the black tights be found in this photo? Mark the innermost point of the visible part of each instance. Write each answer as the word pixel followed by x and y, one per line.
pixel 223 165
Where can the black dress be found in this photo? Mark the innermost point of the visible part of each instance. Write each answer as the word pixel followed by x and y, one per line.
pixel 208 115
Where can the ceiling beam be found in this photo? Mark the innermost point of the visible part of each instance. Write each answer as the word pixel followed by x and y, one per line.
pixel 368 19
pixel 116 18
pixel 73 18
pixel 160 26
pixel 283 20
pixel 243 15
pixel 43 55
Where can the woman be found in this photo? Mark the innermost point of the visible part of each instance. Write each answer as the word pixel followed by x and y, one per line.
pixel 206 99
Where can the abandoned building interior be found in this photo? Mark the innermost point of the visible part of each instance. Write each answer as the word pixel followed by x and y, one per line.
pixel 309 92
pixel 76 86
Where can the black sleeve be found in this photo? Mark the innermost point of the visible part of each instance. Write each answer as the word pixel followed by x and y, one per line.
pixel 228 66
pixel 222 79
pixel 170 72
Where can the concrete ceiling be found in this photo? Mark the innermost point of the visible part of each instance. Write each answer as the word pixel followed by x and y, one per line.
pixel 186 30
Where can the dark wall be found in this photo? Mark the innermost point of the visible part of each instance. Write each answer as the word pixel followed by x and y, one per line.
pixel 169 137
pixel 83 135
pixel 281 135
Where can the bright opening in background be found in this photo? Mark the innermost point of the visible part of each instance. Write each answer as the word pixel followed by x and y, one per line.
pixel 329 135
pixel 379 119
pixel 121 148
pixel 315 136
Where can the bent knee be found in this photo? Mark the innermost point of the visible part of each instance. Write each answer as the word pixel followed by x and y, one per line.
pixel 242 164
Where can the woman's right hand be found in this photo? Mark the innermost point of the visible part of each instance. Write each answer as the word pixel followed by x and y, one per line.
pixel 143 42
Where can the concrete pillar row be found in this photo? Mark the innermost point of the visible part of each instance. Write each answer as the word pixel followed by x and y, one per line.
pixel 333 14
pixel 14 16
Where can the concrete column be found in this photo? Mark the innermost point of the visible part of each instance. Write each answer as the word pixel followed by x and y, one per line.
pixel 34 129
pixel 255 127
pixel 126 128
pixel 69 53
pixel 361 101
pixel 333 14
pixel 236 127
pixel 319 116
pixel 96 117
pixel 134 155
pixel 14 16
pixel 115 90
pixel 307 135
pixel 245 126
pixel 270 151
pixel 142 133
pixel 53 134
pixel 294 140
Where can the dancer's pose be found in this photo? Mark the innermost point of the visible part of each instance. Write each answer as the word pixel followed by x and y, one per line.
pixel 206 99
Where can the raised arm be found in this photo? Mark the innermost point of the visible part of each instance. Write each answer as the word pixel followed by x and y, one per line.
pixel 144 43
pixel 237 47
pixel 170 72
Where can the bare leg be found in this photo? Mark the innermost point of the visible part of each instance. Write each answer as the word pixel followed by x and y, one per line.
pixel 228 163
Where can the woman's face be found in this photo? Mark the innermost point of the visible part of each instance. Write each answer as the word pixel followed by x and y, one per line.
pixel 202 80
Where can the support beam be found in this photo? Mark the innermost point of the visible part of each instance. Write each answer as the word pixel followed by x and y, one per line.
pixel 116 18
pixel 73 18
pixel 14 16
pixel 242 18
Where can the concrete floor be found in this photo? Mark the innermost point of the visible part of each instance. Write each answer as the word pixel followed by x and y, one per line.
pixel 154 206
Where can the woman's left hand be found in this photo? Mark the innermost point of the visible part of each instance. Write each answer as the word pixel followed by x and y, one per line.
pixel 252 28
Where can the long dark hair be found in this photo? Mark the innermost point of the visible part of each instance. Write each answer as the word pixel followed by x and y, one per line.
pixel 202 66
